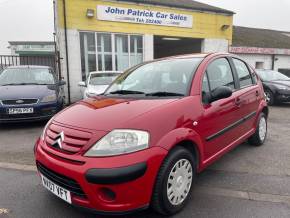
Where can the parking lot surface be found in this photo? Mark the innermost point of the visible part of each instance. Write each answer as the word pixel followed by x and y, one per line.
pixel 247 182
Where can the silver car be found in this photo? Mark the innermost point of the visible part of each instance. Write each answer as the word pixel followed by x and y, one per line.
pixel 98 82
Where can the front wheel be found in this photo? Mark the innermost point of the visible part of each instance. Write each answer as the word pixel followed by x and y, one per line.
pixel 260 135
pixel 174 182
pixel 269 97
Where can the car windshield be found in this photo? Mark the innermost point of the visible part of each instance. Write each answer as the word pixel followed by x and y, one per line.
pixel 269 75
pixel 102 78
pixel 27 76
pixel 160 78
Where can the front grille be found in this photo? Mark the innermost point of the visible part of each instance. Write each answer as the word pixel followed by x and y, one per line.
pixel 74 140
pixel 19 102
pixel 63 181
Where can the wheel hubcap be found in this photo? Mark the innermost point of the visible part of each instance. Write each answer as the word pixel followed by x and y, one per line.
pixel 262 128
pixel 268 97
pixel 179 182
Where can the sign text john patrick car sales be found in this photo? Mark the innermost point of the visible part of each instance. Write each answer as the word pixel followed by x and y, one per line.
pixel 131 15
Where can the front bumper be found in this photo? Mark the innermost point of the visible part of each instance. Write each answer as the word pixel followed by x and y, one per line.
pixel 127 179
pixel 42 111
pixel 283 95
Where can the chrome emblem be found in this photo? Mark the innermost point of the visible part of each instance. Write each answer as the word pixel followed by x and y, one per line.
pixel 19 101
pixel 58 141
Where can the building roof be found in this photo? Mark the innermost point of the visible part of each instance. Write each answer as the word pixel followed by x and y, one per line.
pixel 261 38
pixel 31 43
pixel 184 4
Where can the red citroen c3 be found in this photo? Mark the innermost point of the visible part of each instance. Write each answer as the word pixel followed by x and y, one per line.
pixel 143 141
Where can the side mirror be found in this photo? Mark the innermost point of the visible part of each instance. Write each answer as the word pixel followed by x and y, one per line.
pixel 82 84
pixel 220 93
pixel 61 83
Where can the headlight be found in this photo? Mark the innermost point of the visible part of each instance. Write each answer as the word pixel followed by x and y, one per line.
pixel 120 141
pixel 281 87
pixel 49 98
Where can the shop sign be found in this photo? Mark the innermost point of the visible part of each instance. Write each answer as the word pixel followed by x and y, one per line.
pixel 255 50
pixel 132 15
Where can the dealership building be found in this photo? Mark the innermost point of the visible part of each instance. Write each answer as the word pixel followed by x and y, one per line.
pixel 262 48
pixel 113 35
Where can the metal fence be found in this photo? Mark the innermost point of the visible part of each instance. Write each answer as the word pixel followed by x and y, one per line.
pixel 13 60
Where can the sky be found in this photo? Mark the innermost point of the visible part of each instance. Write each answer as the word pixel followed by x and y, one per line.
pixel 32 20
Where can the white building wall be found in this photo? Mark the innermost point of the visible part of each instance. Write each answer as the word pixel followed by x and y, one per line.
pixel 148 47
pixel 214 45
pixel 282 62
pixel 253 58
pixel 74 59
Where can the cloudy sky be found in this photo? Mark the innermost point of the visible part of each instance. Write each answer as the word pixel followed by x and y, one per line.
pixel 33 19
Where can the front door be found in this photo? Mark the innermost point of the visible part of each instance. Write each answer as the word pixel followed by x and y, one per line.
pixel 218 124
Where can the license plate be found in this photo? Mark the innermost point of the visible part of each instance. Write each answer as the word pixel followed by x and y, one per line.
pixel 55 189
pixel 20 110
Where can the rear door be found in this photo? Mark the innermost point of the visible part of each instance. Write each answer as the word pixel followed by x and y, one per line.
pixel 248 93
pixel 218 125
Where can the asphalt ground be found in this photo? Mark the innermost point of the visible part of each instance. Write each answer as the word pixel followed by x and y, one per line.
pixel 247 182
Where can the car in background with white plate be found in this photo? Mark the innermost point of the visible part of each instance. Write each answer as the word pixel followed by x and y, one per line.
pixel 98 82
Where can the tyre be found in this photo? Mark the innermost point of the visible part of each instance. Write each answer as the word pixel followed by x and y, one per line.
pixel 174 182
pixel 269 97
pixel 260 135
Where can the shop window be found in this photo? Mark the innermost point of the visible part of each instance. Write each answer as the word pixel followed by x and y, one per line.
pixel 88 53
pixel 259 65
pixel 122 52
pixel 136 49
pixel 104 52
pixel 109 52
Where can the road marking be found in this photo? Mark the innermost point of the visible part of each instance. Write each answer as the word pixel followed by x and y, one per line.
pixel 254 196
pixel 4 211
pixel 14 166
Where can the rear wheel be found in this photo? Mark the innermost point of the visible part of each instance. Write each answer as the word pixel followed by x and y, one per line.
pixel 260 135
pixel 269 97
pixel 174 182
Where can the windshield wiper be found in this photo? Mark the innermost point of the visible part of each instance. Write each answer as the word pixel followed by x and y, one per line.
pixel 161 94
pixel 126 92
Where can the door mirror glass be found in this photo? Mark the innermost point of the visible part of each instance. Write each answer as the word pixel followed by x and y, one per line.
pixel 221 92
pixel 61 83
pixel 82 84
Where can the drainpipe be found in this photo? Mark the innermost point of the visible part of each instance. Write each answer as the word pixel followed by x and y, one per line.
pixel 273 62
pixel 66 51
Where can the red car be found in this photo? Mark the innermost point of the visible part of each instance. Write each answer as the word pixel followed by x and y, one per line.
pixel 143 141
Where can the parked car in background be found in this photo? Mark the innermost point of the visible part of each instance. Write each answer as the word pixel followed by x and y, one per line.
pixel 144 140
pixel 276 86
pixel 29 93
pixel 98 82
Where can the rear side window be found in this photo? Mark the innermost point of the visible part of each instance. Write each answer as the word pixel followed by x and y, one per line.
pixel 243 73
pixel 220 74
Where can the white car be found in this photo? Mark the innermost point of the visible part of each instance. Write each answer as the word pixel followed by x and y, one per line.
pixel 98 82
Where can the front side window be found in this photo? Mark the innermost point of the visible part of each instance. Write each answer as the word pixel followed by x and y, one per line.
pixel 160 78
pixel 26 76
pixel 220 74
pixel 243 73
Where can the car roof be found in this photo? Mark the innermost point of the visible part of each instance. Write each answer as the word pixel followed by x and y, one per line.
pixel 28 67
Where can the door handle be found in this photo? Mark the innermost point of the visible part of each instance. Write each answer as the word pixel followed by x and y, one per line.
pixel 238 102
